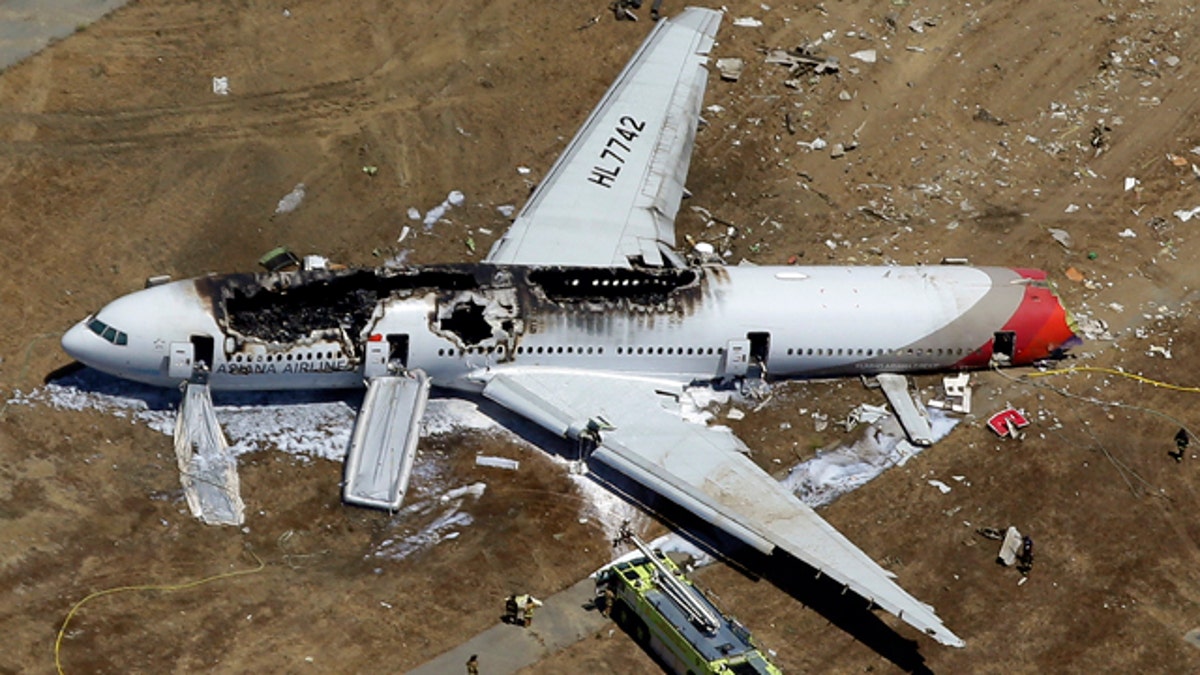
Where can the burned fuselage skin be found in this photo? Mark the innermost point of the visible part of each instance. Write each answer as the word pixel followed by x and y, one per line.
pixel 314 329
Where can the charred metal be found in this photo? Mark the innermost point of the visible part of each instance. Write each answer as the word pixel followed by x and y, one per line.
pixel 477 305
pixel 288 306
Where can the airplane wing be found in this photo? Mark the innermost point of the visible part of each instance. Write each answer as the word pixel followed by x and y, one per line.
pixel 613 194
pixel 642 436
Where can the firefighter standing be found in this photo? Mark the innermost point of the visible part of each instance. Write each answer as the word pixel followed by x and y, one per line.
pixel 527 615
pixel 473 665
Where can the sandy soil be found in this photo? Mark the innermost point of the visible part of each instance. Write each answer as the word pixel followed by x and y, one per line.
pixel 974 136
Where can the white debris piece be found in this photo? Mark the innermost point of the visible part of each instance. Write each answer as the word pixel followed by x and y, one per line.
pixel 497 462
pixel 291 200
pixel 455 198
pixel 413 213
pixel 1061 236
pixel 957 390
pixel 865 413
pixel 1011 547
pixel 220 86
pixel 1130 183
pixel 730 69
pixel 1127 233
pixel 506 210
pixel 747 22
pixel 1071 208
pixel 404 232
pixel 1161 351
pixel 735 414
pixel 1186 215
pixel 942 487
pixel 524 170
pixel 865 55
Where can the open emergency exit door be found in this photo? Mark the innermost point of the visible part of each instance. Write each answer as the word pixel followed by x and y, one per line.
pixel 737 358
pixel 181 361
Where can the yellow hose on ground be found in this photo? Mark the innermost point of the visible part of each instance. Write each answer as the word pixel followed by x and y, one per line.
pixel 150 587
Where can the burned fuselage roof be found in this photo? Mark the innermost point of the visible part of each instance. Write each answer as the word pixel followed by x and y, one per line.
pixel 284 307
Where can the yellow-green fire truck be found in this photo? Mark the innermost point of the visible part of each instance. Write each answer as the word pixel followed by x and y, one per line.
pixel 663 611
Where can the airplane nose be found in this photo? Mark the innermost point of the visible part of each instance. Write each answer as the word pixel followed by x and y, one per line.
pixel 77 342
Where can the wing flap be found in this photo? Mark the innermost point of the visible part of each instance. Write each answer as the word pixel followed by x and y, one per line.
pixel 703 469
pixel 613 194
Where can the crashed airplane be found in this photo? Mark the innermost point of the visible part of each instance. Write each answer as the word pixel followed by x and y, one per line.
pixel 584 319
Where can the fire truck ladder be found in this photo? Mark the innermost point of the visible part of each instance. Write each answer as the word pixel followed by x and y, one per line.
pixel 683 595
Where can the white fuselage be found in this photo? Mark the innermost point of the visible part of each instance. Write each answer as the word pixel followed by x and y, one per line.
pixel 311 330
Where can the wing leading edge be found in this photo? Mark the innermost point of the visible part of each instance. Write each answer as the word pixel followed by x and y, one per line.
pixel 613 194
pixel 702 469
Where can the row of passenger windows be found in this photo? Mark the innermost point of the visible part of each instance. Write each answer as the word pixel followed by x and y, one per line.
pixel 107 332
pixel 841 351
pixel 270 358
pixel 712 351
pixel 570 349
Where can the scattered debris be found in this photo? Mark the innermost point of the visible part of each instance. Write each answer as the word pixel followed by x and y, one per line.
pixel 404 232
pixel 1127 233
pixel 730 69
pixel 865 55
pixel 1074 274
pixel 291 200
pixel 497 462
pixel 957 390
pixel 817 143
pixel 1006 423
pixel 1010 548
pixel 1061 236
pixel 1181 443
pixel 277 259
pixel 455 198
pixel 748 22
pixel 220 86
pixel 1131 183
pixel 865 413
pixel 983 115
pixel 1161 351
pixel 370 169
pixel 800 60
pixel 942 487
pixel 735 414
pixel 1186 215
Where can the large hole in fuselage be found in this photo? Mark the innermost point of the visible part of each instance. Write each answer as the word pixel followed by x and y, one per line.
pixel 467 322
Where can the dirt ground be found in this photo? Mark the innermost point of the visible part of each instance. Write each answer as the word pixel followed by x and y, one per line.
pixel 977 128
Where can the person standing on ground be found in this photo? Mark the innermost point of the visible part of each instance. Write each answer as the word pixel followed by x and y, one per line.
pixel 473 665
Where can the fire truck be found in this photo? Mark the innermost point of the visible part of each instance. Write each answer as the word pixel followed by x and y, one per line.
pixel 664 612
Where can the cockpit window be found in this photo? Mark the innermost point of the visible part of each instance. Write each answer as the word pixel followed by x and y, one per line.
pixel 107 332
